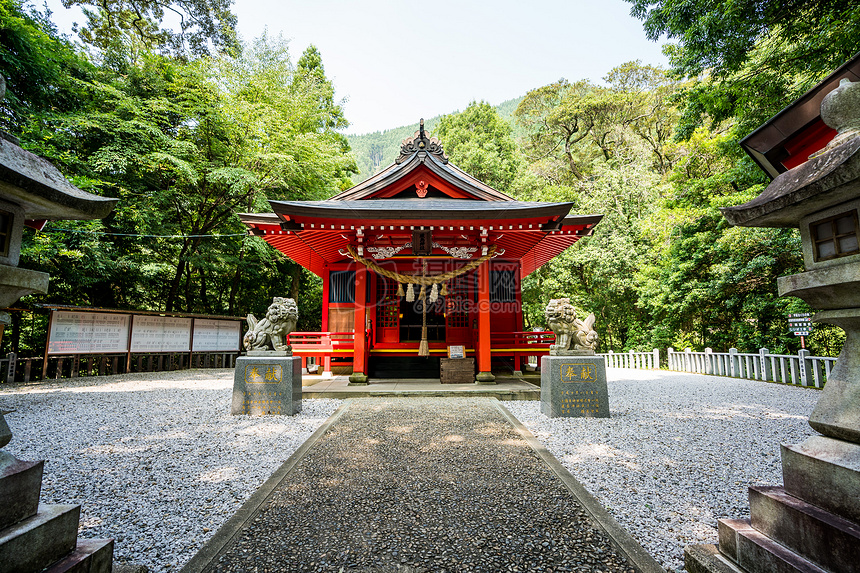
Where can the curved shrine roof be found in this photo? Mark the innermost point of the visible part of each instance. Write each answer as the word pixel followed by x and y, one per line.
pixel 416 209
pixel 420 190
pixel 41 190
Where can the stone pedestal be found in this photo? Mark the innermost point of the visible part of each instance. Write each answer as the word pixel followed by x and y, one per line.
pixel 812 523
pixel 574 387
pixel 267 383
pixel 485 378
pixel 808 525
pixel 36 537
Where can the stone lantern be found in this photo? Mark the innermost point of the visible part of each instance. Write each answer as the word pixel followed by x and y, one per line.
pixel 32 192
pixel 812 523
pixel 34 536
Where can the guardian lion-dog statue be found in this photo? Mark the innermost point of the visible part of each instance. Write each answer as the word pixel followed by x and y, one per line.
pixel 569 330
pixel 270 333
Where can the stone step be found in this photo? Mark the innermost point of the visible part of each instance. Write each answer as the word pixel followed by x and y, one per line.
pixel 817 535
pixel 754 552
pixel 90 556
pixel 824 472
pixel 708 559
pixel 40 540
pixel 20 485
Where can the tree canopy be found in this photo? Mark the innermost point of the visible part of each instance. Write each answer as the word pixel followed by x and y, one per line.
pixel 754 56
pixel 479 141
pixel 188 128
pixel 206 27
pixel 185 145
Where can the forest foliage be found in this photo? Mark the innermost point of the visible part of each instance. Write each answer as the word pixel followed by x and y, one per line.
pixel 188 128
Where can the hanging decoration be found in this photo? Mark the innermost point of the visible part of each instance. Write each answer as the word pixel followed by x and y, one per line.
pixel 434 293
pixel 421 279
pixel 444 289
pixel 424 345
pixel 400 290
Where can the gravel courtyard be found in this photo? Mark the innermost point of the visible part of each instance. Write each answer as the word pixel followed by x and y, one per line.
pixel 679 451
pixel 155 460
pixel 158 463
pixel 421 485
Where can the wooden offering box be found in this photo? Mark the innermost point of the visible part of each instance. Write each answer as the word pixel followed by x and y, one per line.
pixel 457 370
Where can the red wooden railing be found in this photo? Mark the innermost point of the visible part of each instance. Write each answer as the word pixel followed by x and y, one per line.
pixel 523 340
pixel 521 347
pixel 322 347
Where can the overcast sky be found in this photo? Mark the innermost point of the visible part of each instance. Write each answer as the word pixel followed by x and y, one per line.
pixel 397 61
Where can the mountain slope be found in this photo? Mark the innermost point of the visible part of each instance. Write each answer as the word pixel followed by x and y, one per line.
pixel 376 151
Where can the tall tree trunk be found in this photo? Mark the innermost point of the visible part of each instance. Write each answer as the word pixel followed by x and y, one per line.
pixel 237 279
pixel 205 305
pixel 16 333
pixel 296 281
pixel 177 277
pixel 189 294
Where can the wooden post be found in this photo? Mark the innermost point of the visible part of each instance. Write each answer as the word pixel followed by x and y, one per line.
pixel 326 282
pixel 484 350
pixel 47 345
pixel 359 353
pixel 191 344
pixel 128 344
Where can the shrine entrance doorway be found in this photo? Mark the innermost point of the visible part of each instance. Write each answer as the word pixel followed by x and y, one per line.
pixel 412 320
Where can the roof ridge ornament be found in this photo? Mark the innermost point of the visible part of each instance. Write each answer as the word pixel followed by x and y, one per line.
pixel 840 110
pixel 420 142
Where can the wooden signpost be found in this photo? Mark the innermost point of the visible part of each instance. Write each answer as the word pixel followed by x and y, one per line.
pixel 800 324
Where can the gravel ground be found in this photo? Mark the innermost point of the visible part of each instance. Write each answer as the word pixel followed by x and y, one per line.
pixel 158 463
pixel 155 460
pixel 421 484
pixel 679 451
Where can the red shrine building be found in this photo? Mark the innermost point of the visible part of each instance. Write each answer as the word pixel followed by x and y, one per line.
pixel 417 259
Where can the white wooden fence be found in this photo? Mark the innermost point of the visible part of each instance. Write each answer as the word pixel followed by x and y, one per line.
pixel 631 359
pixel 800 369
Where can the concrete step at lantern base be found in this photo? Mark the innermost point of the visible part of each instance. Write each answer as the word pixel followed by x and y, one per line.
pixel 708 559
pixel 90 556
pixel 817 535
pixel 754 552
pixel 40 540
pixel 824 472
pixel 20 485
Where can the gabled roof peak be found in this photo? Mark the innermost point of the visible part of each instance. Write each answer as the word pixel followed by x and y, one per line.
pixel 420 142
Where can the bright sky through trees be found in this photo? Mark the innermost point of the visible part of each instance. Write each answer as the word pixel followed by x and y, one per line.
pixel 397 61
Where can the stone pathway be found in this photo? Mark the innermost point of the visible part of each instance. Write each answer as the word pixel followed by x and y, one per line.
pixel 421 484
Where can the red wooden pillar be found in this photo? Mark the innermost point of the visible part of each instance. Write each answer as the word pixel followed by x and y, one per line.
pixel 518 358
pixel 485 374
pixel 359 353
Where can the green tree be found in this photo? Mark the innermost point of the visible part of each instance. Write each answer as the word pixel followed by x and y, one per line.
pixel 185 146
pixel 710 284
pixel 722 35
pixel 206 27
pixel 755 56
pixel 559 119
pixel 579 124
pixel 41 69
pixel 479 141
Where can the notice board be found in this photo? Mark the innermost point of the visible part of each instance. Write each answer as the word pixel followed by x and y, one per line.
pixel 212 335
pixel 88 332
pixel 160 334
